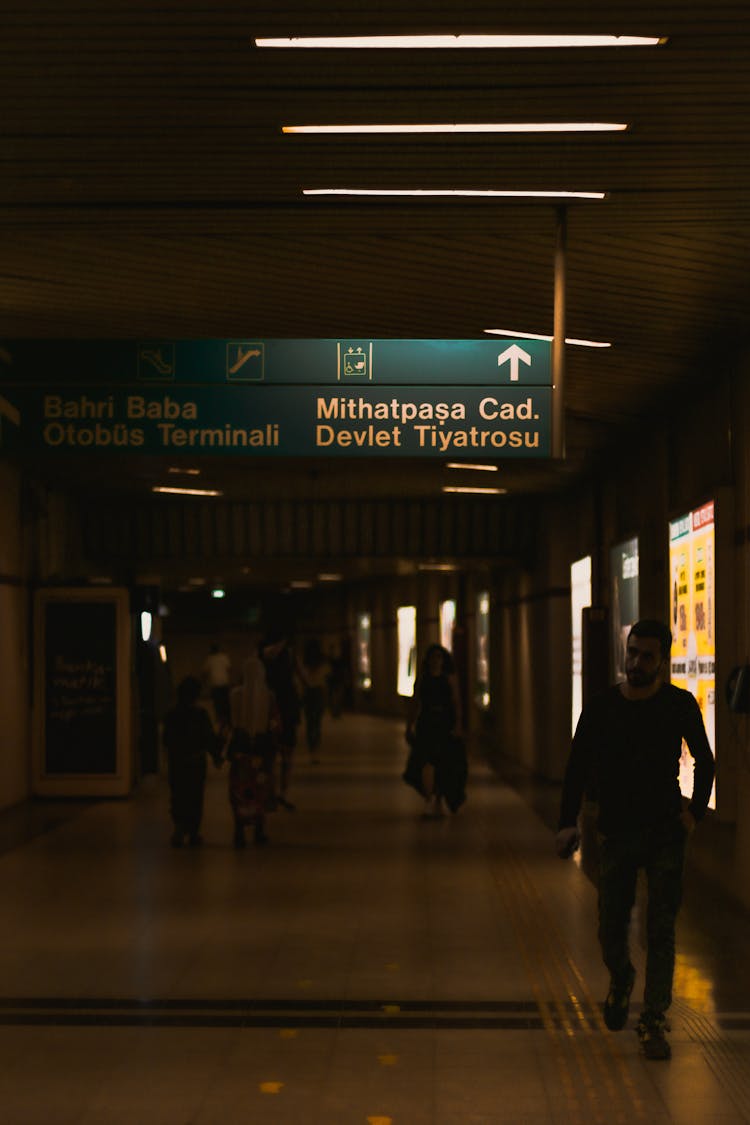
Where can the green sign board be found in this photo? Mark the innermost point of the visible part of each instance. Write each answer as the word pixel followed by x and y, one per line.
pixel 284 397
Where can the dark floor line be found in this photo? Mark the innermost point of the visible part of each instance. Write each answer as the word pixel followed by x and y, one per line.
pixel 247 1012
pixel 293 1019
pixel 247 1004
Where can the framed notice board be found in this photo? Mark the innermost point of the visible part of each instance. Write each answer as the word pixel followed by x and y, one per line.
pixel 82 706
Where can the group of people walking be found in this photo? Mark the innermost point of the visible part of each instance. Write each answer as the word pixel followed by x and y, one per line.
pixel 255 732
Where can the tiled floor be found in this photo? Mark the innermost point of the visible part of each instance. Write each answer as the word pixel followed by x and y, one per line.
pixel 367 966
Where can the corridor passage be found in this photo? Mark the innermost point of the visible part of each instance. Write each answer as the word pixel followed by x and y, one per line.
pixel 368 965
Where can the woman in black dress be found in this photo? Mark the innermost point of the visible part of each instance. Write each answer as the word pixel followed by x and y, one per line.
pixel 437 763
pixel 188 737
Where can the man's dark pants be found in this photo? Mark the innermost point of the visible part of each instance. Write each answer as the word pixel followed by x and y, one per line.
pixel 660 852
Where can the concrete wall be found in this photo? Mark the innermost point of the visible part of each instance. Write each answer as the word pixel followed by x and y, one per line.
pixel 14 646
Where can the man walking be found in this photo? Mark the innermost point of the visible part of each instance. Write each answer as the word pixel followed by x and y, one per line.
pixel 626 755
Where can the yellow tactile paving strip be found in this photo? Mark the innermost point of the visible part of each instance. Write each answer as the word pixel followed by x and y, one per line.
pixel 727 1060
pixel 594 1079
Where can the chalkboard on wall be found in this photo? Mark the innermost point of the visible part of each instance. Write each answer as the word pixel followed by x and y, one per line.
pixel 82 693
pixel 80 721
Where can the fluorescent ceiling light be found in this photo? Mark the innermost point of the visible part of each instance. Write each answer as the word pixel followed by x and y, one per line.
pixel 447 567
pixel 537 336
pixel 395 42
pixel 478 468
pixel 301 584
pixel 330 577
pixel 187 491
pixel 482 127
pixel 490 193
pixel 481 491
pixel 184 472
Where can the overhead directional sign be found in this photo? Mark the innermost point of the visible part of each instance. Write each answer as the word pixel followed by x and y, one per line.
pixel 410 362
pixel 513 356
pixel 283 397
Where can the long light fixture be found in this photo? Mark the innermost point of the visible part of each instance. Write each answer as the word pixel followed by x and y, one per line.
pixel 187 491
pixel 480 491
pixel 472 42
pixel 476 468
pixel 472 193
pixel 480 127
pixel 538 336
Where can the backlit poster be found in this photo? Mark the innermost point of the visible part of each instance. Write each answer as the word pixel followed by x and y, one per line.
pixel 364 658
pixel 483 650
pixel 447 623
pixel 691 605
pixel 406 619
pixel 625 601
pixel 580 597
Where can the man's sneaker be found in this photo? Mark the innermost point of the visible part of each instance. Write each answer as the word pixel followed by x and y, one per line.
pixel 618 1001
pixel 653 1041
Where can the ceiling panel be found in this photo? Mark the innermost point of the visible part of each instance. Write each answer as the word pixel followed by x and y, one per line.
pixel 146 190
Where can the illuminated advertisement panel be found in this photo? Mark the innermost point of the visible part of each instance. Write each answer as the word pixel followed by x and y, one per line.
pixel 364 658
pixel 483 650
pixel 580 597
pixel 447 611
pixel 691 607
pixel 625 601
pixel 406 617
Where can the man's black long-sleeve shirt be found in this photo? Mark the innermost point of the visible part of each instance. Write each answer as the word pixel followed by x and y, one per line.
pixel 626 756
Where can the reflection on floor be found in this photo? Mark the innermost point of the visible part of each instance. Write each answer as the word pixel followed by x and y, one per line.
pixel 367 966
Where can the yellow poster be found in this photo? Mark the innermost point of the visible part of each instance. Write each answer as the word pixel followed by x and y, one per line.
pixel 679 596
pixel 692 597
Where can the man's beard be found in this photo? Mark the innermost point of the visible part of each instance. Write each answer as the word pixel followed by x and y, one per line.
pixel 640 679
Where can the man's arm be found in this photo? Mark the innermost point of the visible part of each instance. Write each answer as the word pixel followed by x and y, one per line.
pixel 574 785
pixel 576 774
pixel 703 770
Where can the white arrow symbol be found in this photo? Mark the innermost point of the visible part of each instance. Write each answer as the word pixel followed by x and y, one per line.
pixel 514 354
